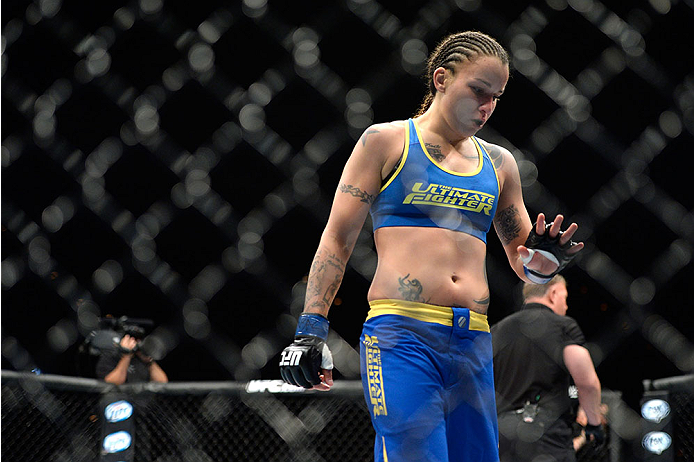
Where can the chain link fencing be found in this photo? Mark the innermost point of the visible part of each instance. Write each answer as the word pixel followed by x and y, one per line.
pixel 176 161
pixel 55 418
pixel 52 418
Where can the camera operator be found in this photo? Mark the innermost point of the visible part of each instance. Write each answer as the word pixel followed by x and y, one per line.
pixel 129 364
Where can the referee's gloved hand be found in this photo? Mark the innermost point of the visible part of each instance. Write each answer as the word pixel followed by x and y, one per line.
pixel 307 362
pixel 595 433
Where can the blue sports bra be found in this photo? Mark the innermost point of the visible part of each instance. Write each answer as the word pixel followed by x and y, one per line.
pixel 422 193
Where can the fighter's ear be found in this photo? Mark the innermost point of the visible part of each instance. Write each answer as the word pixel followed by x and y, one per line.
pixel 439 77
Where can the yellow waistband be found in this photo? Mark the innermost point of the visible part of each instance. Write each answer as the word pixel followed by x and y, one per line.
pixel 424 312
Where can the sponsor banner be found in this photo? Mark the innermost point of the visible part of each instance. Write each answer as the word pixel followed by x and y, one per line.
pixel 117 442
pixel 272 386
pixel 118 411
pixel 655 410
pixel 656 442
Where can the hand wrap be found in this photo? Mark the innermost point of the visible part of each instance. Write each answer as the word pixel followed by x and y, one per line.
pixel 301 363
pixel 550 248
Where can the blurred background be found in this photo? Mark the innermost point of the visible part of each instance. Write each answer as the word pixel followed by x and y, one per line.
pixel 175 161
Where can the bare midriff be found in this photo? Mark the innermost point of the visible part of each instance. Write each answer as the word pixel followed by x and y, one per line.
pixel 430 265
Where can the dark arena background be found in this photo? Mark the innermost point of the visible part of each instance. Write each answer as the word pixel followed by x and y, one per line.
pixel 175 161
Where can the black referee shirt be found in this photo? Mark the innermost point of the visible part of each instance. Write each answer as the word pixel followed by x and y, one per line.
pixel 528 359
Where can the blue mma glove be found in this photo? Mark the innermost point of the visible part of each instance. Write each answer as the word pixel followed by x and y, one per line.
pixel 550 248
pixel 301 363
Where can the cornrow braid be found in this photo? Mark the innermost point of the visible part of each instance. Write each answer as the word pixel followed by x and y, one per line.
pixel 454 49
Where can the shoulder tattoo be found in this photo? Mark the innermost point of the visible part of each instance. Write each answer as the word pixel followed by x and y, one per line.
pixel 358 193
pixel 508 223
pixel 496 155
pixel 366 135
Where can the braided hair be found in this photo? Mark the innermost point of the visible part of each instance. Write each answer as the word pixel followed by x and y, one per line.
pixel 455 49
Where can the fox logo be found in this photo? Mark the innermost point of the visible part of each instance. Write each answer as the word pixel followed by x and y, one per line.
pixel 655 410
pixel 290 357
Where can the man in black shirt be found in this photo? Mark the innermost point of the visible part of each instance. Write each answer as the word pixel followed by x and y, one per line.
pixel 537 352
pixel 129 364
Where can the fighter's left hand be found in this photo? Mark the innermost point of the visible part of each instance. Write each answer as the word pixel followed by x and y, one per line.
pixel 548 248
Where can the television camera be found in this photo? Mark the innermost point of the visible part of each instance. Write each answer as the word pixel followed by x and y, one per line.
pixel 112 330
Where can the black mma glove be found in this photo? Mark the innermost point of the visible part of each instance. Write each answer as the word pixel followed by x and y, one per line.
pixel 596 432
pixel 550 248
pixel 302 361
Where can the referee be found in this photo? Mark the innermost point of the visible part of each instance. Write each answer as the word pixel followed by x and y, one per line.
pixel 538 352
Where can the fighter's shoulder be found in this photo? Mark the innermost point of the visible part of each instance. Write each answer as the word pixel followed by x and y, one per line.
pixel 501 156
pixel 382 135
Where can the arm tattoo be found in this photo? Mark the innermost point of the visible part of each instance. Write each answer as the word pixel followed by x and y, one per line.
pixel 435 151
pixel 366 134
pixel 508 224
pixel 325 270
pixel 411 290
pixel 356 192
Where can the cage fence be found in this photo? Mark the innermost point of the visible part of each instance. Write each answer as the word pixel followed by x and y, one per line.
pixel 55 418
pixel 177 160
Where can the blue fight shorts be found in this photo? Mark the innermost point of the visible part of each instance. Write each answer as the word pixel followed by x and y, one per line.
pixel 428 382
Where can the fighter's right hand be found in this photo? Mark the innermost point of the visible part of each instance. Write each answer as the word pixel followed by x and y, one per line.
pixel 307 362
